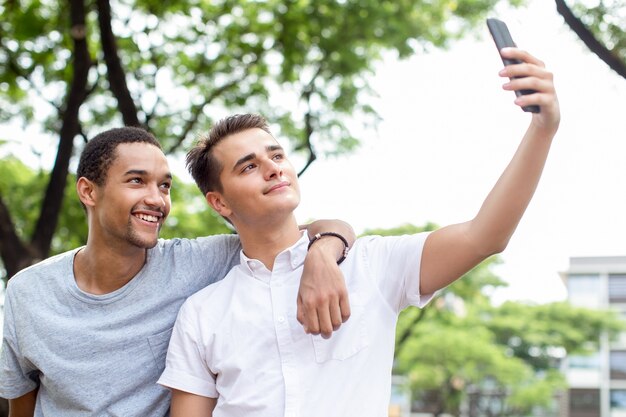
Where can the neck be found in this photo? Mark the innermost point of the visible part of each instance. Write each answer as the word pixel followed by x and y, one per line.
pixel 100 269
pixel 265 242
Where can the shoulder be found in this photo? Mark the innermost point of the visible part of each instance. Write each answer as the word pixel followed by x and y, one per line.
pixel 42 272
pixel 200 245
pixel 372 244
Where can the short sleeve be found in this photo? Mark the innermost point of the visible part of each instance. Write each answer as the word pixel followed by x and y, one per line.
pixel 17 375
pixel 394 262
pixel 208 259
pixel 186 368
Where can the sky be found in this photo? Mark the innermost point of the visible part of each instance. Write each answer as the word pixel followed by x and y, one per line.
pixel 447 132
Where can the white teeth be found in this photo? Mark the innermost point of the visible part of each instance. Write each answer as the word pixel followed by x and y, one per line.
pixel 148 218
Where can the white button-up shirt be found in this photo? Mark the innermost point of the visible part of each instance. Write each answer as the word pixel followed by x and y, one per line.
pixel 239 340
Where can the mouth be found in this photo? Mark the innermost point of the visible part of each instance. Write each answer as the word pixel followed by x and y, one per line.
pixel 277 186
pixel 153 218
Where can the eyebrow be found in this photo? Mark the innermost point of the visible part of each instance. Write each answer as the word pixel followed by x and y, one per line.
pixel 250 156
pixel 143 172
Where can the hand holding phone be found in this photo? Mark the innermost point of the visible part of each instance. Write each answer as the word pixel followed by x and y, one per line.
pixel 502 37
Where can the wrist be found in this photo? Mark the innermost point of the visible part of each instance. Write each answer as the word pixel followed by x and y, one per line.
pixel 331 242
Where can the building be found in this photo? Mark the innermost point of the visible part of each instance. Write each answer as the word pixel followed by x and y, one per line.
pixel 598 382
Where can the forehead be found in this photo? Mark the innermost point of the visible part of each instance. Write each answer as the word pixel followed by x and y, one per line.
pixel 239 144
pixel 138 156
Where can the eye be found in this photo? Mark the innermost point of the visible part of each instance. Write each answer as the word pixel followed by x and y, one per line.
pixel 248 167
pixel 278 157
pixel 135 180
pixel 166 185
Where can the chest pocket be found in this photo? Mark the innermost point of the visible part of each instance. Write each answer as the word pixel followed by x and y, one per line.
pixel 158 345
pixel 350 339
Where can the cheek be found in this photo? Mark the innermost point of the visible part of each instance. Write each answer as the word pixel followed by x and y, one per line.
pixel 167 199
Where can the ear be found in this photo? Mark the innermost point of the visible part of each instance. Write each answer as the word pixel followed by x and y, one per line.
pixel 217 202
pixel 86 191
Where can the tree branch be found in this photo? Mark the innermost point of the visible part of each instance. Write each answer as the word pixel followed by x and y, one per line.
pixel 590 40
pixel 53 199
pixel 308 132
pixel 196 111
pixel 115 72
pixel 308 90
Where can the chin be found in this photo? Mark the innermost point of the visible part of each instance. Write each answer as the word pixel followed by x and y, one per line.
pixel 143 243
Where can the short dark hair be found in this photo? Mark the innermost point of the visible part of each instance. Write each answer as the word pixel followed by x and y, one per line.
pixel 201 163
pixel 99 153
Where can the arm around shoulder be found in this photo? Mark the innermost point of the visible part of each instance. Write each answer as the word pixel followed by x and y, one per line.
pixel 323 298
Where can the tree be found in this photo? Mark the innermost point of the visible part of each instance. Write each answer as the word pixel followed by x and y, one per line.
pixel 601 26
pixel 501 360
pixel 498 360
pixel 172 67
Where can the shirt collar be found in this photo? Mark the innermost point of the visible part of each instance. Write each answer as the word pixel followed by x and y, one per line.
pixel 286 261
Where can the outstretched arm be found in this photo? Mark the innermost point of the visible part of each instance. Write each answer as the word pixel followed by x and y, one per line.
pixel 453 250
pixel 322 297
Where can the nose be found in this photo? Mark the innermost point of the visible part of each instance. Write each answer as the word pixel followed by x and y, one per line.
pixel 273 170
pixel 154 197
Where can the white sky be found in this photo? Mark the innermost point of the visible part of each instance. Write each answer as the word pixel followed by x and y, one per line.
pixel 448 131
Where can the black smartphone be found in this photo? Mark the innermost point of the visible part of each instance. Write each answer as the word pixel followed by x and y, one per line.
pixel 502 37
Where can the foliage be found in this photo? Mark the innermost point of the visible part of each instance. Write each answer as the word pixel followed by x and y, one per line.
pixel 78 67
pixel 607 21
pixel 185 62
pixel 501 360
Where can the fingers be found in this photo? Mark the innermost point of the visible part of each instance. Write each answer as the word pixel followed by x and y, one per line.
pixel 323 317
pixel 344 305
pixel 515 53
pixel 531 74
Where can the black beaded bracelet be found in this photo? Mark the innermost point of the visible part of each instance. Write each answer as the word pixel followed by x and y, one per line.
pixel 346 248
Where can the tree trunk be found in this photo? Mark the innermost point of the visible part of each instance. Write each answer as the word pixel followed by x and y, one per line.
pixel 15 253
pixel 115 72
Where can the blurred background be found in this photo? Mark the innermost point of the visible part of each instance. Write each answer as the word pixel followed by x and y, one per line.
pixel 394 115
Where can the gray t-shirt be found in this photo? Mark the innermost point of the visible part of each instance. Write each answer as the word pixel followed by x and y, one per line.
pixel 101 355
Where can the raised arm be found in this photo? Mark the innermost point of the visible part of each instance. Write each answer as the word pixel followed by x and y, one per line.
pixel 453 250
pixel 322 297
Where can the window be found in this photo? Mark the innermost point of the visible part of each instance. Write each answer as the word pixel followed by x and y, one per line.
pixel 584 290
pixel 617 288
pixel 617 362
pixel 618 400
pixel 584 403
pixel 584 361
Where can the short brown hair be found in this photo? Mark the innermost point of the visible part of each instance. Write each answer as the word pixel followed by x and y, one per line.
pixel 202 165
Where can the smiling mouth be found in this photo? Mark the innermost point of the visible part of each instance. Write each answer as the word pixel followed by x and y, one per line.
pixel 147 217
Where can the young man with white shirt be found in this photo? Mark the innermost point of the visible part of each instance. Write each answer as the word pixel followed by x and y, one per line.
pixel 255 360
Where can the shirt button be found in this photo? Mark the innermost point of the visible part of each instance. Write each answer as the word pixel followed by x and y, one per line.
pixel 281 319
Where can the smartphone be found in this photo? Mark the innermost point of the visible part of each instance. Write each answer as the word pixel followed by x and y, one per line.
pixel 502 37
